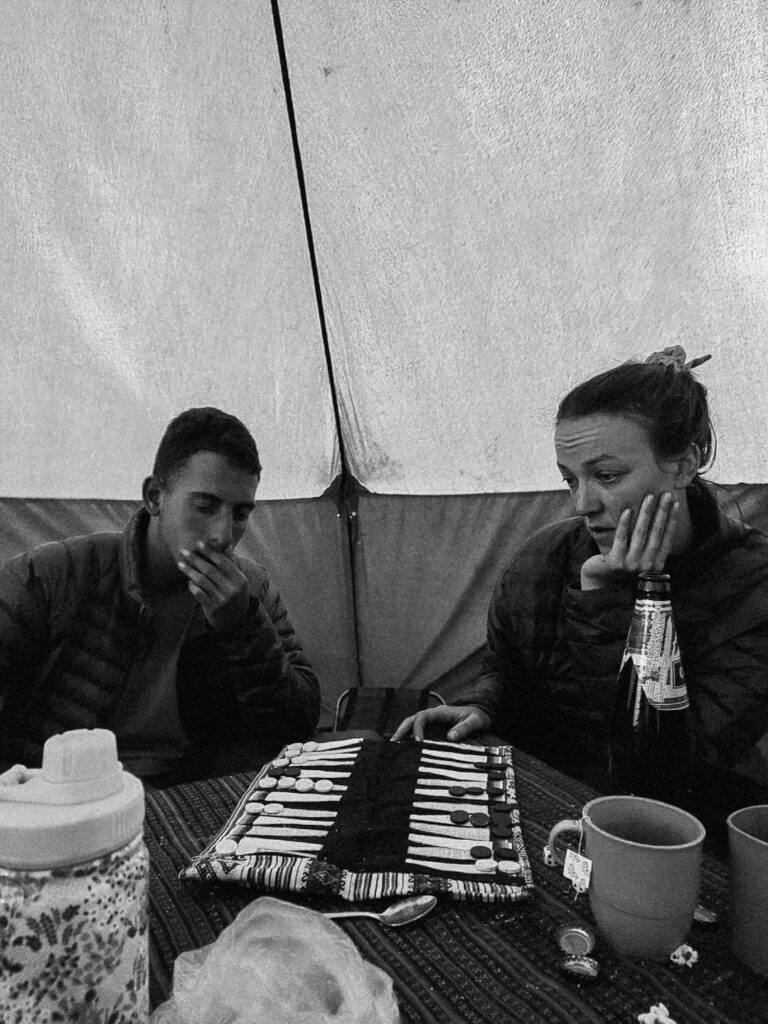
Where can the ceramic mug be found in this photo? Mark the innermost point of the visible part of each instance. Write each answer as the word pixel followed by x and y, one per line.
pixel 748 849
pixel 646 867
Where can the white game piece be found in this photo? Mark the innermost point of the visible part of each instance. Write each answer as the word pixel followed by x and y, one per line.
pixel 323 786
pixel 254 807
pixel 286 782
pixel 509 867
pixel 225 846
pixel 304 785
pixel 487 866
pixel 267 782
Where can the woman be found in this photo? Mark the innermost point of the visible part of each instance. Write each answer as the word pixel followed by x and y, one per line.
pixel 631 444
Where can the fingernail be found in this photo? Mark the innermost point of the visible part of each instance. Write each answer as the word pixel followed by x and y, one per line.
pixel 184 552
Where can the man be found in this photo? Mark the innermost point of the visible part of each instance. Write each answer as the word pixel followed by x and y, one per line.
pixel 160 633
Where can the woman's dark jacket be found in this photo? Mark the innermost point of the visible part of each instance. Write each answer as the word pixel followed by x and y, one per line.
pixel 554 651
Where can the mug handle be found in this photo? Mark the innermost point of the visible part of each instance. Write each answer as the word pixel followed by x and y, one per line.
pixel 557 850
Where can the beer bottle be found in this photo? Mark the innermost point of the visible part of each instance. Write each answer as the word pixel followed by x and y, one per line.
pixel 651 744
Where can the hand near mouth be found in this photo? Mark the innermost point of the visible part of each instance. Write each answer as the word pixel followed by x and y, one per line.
pixel 216 583
pixel 642 547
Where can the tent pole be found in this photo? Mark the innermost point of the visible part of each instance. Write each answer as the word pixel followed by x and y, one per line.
pixel 349 486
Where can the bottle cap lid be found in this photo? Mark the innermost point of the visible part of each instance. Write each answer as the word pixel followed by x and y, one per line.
pixel 582 967
pixel 575 940
pixel 80 805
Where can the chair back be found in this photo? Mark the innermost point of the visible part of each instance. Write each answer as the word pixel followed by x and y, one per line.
pixel 380 708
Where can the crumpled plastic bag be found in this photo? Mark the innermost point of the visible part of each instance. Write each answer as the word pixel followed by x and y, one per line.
pixel 278 963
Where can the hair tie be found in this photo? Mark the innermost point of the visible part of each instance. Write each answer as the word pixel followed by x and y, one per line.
pixel 675 356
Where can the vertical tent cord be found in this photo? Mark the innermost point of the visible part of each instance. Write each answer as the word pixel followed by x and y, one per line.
pixel 347 498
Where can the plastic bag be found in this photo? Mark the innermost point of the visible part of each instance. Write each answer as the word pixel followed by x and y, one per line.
pixel 278 963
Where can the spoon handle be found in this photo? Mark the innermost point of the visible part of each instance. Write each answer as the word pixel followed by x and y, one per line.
pixel 350 913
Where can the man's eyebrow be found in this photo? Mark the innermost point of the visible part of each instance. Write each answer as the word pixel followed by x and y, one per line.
pixel 205 496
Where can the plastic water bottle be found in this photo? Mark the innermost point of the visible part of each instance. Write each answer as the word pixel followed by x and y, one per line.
pixel 651 734
pixel 73 887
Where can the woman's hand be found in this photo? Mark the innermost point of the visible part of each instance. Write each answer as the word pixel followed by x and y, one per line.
pixel 459 721
pixel 643 547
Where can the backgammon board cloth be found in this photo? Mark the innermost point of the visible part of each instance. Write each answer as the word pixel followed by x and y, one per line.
pixel 374 820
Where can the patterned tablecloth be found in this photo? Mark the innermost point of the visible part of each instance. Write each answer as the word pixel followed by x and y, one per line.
pixel 465 963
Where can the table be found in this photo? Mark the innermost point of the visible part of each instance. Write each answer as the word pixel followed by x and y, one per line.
pixel 464 963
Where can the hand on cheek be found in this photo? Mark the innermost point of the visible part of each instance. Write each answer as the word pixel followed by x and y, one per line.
pixel 641 543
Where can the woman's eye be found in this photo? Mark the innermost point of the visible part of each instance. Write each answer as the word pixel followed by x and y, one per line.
pixel 607 478
pixel 206 509
pixel 570 484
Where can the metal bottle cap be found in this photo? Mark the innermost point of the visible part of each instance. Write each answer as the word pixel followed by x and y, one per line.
pixel 575 940
pixel 583 967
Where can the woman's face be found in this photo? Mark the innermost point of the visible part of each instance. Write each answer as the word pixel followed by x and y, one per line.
pixel 609 465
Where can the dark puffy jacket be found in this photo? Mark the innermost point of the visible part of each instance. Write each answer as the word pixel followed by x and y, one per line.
pixel 74 621
pixel 554 651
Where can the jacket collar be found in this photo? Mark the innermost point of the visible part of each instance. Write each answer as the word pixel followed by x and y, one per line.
pixel 133 548
pixel 713 533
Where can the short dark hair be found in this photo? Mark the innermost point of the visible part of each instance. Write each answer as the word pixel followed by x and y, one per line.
pixel 205 430
pixel 670 402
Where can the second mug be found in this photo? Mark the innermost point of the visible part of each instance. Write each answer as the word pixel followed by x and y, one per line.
pixel 646 867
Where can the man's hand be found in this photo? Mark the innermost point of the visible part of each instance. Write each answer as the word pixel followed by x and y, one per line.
pixel 643 547
pixel 217 585
pixel 460 721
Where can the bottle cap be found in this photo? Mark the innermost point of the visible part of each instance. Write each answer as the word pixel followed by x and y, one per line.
pixel 80 805
pixel 575 939
pixel 582 967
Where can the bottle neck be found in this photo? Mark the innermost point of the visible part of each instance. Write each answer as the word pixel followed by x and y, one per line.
pixel 654 586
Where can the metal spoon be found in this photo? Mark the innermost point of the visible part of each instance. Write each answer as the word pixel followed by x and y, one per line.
pixel 403 912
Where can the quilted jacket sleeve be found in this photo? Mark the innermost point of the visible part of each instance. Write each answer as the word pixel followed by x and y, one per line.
pixel 253 679
pixel 24 622
pixel 499 688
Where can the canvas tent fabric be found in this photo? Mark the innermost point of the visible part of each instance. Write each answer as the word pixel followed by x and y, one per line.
pixel 389 236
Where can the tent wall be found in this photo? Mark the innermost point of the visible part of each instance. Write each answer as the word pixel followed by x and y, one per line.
pixel 422 568
pixel 153 246
pixel 504 196
pixel 473 206
pixel 507 197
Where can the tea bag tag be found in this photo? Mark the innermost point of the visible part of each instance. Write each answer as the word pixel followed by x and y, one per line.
pixel 578 869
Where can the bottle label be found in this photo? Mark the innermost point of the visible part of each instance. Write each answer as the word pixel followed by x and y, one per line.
pixel 653 649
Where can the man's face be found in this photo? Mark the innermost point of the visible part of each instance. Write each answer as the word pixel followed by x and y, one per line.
pixel 609 465
pixel 207 500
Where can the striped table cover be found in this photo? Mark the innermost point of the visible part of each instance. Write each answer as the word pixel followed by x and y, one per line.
pixel 465 962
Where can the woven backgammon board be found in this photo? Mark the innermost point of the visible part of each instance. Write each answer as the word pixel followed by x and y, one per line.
pixel 365 819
